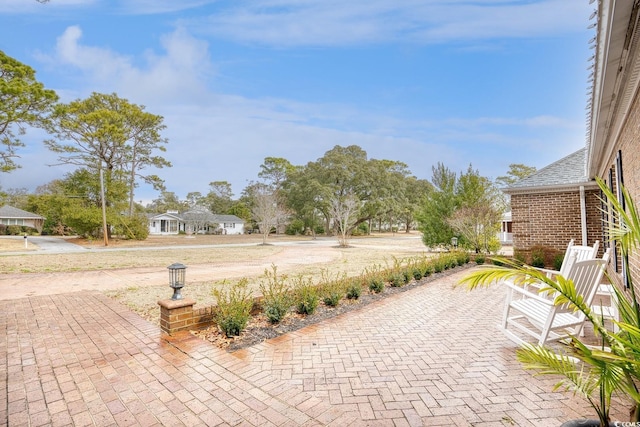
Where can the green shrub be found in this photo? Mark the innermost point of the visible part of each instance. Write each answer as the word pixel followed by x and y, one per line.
pixel 14 230
pixel 494 245
pixel 396 280
pixel 332 288
pixel 276 295
pixel 407 275
pixel 295 227
pixel 332 297
pixel 417 273
pixel 361 230
pixel 519 257
pixel 234 308
pixel 306 295
pixel 354 290
pixel 557 261
pixel 537 261
pixel 428 270
pixel 438 266
pixel 134 228
pixel 376 285
pixel 462 258
pixel 543 256
pixel 479 259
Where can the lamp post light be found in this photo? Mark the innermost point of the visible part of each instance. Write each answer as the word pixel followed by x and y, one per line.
pixel 454 242
pixel 176 279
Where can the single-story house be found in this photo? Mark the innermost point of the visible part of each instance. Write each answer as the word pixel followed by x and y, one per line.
pixel 561 201
pixel 14 216
pixel 195 221
pixel 554 205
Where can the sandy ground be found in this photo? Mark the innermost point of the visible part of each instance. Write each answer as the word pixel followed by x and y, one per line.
pixel 289 255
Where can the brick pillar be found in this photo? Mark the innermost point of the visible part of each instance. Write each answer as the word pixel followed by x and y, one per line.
pixel 176 315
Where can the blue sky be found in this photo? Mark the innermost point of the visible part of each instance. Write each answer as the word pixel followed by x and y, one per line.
pixel 481 82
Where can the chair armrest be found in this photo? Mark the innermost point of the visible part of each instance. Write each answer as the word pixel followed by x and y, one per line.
pixel 524 292
pixel 547 271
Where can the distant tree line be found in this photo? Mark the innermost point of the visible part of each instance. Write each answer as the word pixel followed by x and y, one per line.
pixel 112 143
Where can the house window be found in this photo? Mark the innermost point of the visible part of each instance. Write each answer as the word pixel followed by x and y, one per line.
pixel 619 184
pixel 615 183
pixel 12 221
pixel 230 225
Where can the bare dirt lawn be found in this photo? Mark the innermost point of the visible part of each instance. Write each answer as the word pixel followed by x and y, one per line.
pixel 135 272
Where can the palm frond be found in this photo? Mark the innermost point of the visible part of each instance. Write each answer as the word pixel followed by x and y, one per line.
pixel 547 362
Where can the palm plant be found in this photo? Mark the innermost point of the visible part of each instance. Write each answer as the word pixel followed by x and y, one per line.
pixel 595 373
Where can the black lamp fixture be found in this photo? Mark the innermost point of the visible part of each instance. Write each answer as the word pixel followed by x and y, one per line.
pixel 176 279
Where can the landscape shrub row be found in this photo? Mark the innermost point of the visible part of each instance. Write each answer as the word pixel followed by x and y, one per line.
pixel 17 230
pixel 280 294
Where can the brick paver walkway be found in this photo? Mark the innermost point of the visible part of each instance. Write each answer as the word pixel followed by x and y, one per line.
pixel 431 356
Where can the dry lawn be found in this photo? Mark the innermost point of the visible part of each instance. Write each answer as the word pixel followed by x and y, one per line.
pixel 160 251
pixel 308 260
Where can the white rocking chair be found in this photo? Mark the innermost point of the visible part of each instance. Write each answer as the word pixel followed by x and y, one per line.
pixel 537 316
pixel 572 254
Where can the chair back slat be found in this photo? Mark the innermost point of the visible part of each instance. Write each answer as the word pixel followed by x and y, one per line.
pixel 577 253
pixel 586 276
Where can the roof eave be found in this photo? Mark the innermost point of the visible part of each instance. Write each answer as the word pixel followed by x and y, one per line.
pixel 559 188
pixel 614 81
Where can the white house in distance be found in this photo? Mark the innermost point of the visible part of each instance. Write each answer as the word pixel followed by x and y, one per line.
pixel 196 221
pixel 506 231
pixel 14 216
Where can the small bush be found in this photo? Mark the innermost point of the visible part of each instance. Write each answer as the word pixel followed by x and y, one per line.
pixel 537 260
pixel 134 228
pixel 332 288
pixel 417 273
pixel 407 275
pixel 306 295
pixel 438 266
pixel 276 295
pixel 234 308
pixel 14 230
pixel 376 285
pixel 361 230
pixel 520 257
pixel 354 290
pixel 295 227
pixel 543 256
pixel 396 280
pixel 480 259
pixel 494 245
pixel 557 261
pixel 428 270
pixel 332 298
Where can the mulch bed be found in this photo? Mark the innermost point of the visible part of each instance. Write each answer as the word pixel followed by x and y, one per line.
pixel 259 329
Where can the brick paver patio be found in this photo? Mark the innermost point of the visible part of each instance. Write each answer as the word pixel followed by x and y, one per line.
pixel 431 356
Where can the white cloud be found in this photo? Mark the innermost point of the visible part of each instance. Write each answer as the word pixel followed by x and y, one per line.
pixel 147 7
pixel 177 74
pixel 337 22
pixel 214 136
pixel 32 6
pixel 128 7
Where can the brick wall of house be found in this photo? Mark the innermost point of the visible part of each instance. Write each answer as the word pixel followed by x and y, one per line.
pixel 628 143
pixel 553 219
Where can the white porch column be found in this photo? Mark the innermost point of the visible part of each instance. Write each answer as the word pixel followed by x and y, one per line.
pixel 583 215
